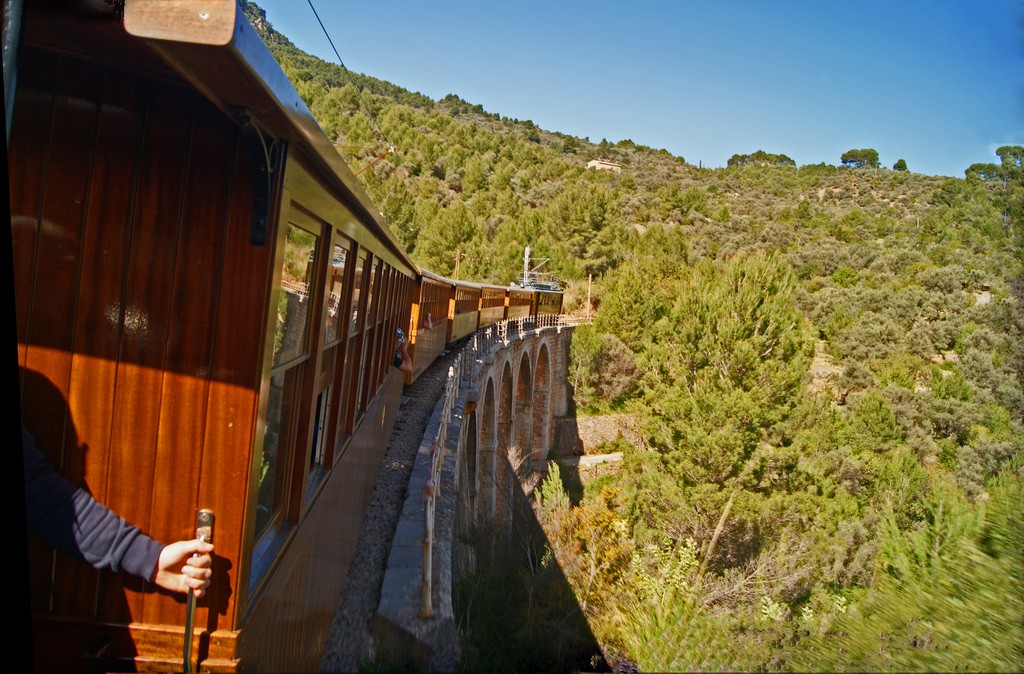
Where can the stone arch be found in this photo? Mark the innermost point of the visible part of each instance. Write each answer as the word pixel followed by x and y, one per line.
pixel 522 436
pixel 506 420
pixel 472 478
pixel 465 527
pixel 542 416
pixel 486 452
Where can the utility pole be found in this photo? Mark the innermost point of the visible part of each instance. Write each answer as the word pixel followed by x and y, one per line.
pixel 590 280
pixel 458 259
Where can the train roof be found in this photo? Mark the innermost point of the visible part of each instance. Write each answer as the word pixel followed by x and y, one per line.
pixel 493 286
pixel 460 282
pixel 220 56
pixel 435 277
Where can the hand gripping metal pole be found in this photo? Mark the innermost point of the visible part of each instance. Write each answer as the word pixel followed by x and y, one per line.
pixel 204 532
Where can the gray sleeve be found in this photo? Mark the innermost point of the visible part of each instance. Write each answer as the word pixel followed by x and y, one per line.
pixel 69 519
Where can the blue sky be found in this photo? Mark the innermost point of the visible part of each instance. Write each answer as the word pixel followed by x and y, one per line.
pixel 938 83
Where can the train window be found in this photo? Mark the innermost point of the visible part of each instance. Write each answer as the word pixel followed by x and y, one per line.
pixel 273 478
pixel 325 428
pixel 357 291
pixel 433 303
pixel 440 303
pixel 335 294
pixel 493 298
pixel 293 315
pixel 373 330
pixel 319 446
pixel 332 359
pixel 366 352
pixel 386 290
pixel 373 279
pixel 353 346
pixel 385 338
pixel 395 294
pixel 280 468
pixel 397 317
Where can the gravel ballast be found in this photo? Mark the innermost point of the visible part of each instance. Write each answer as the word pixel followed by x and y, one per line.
pixel 350 643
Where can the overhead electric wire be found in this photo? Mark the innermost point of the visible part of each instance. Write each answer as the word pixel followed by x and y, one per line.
pixel 359 91
pixel 390 148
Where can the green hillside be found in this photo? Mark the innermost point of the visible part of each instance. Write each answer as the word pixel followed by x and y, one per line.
pixel 825 363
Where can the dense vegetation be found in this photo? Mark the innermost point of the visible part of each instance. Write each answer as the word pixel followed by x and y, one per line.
pixel 825 363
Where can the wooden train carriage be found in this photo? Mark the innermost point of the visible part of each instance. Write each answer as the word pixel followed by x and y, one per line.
pixel 428 323
pixel 492 304
pixel 546 302
pixel 205 305
pixel 464 310
pixel 520 303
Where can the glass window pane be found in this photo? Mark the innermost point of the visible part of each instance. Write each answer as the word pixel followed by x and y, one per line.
pixel 318 449
pixel 366 357
pixel 357 292
pixel 371 306
pixel 276 440
pixel 293 315
pixel 335 283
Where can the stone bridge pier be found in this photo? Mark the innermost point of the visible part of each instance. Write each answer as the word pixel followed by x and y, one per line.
pixel 498 418
pixel 519 390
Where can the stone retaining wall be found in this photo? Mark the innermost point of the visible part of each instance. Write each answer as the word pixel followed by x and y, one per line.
pixel 592 431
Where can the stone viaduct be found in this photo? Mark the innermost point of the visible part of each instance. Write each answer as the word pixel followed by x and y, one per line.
pixel 505 396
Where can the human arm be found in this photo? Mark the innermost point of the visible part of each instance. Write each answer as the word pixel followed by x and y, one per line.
pixel 69 519
pixel 402 360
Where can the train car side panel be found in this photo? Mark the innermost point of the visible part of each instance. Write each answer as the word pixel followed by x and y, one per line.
pixel 428 325
pixel 120 373
pixel 206 306
pixel 546 302
pixel 180 348
pixel 465 310
pixel 309 506
pixel 492 305
pixel 520 303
